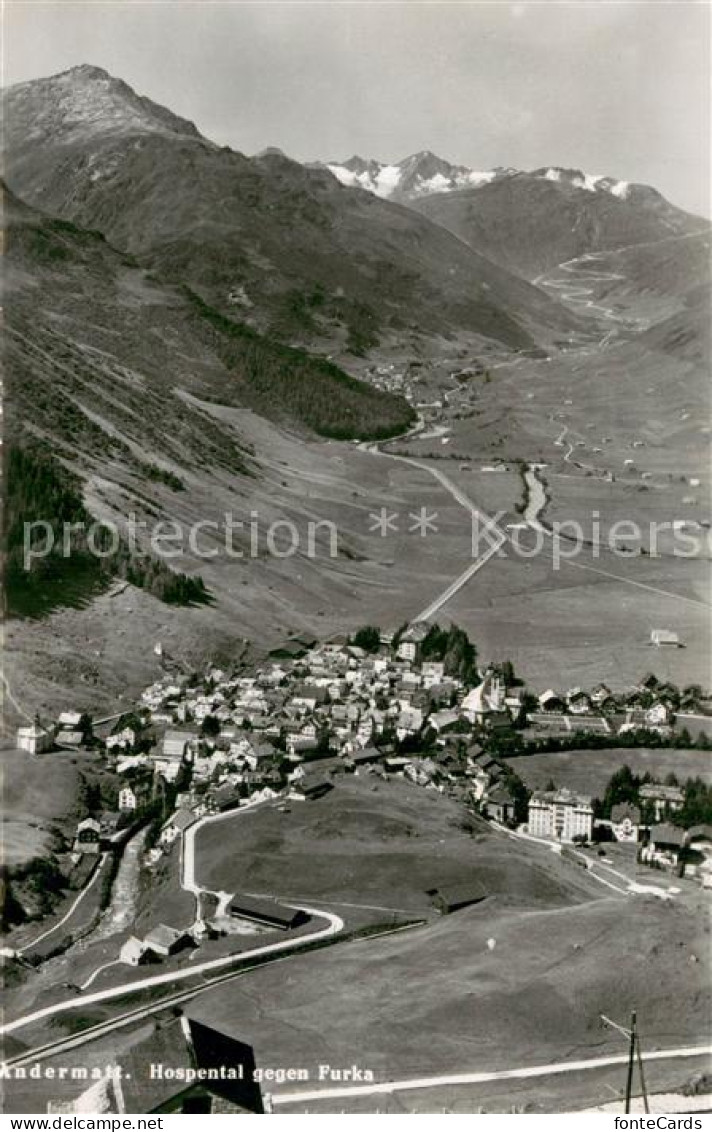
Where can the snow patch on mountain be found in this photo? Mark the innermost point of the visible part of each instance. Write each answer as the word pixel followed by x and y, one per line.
pixel 620 189
pixel 424 174
pixel 589 182
pixel 420 175
pixel 382 180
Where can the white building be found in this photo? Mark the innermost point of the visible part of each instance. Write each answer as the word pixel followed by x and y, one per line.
pixel 176 744
pixel 664 637
pixel 433 672
pixel 662 799
pixel 176 826
pixel 34 739
pixel 625 822
pixel 70 719
pixel 133 952
pixel 127 800
pixel 121 739
pixel 486 700
pixel 407 650
pixel 560 815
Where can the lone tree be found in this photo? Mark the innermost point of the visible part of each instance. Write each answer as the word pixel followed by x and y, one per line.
pixel 210 726
pixel 368 637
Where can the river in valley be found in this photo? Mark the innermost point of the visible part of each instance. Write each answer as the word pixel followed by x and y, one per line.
pixel 536 497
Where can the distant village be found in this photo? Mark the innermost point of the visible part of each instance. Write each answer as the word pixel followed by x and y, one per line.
pixel 409 704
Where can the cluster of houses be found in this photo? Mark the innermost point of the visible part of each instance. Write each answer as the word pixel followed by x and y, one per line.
pixel 338 698
pixel 70 732
pixel 163 941
pixel 297 723
pixel 316 710
pixel 97 835
pixel 566 816
pixel 663 845
pixel 650 705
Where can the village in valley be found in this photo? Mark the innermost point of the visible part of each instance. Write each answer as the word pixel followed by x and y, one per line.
pixel 410 705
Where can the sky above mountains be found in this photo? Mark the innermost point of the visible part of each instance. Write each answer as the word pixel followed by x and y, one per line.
pixel 611 88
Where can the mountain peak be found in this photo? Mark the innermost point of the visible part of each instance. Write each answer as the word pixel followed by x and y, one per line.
pixel 84 71
pixel 418 175
pixel 424 174
pixel 271 151
pixel 85 102
pixel 421 155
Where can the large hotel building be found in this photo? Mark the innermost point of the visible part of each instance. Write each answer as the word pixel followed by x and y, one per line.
pixel 560 814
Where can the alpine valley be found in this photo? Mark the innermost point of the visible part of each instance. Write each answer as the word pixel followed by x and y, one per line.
pixel 191 332
pixel 357 590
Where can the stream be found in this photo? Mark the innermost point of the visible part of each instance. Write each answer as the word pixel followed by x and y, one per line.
pixel 536 497
pixel 122 909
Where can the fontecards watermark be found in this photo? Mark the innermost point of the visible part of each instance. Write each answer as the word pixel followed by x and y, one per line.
pixel 233 537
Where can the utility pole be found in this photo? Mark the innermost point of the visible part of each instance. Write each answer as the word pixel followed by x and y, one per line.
pixel 642 1075
pixel 631 1059
pixel 633 1039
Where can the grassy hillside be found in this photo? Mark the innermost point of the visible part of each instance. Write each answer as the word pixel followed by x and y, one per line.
pixel 99 377
pixel 40 802
pixel 519 979
pixel 377 843
pixel 438 1000
pixel 108 390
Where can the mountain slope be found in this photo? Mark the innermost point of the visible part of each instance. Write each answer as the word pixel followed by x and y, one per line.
pixel 425 174
pixel 686 334
pixel 286 246
pixel 529 222
pixel 136 403
pixel 115 378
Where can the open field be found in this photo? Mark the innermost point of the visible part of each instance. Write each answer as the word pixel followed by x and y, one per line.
pixel 440 1000
pixel 494 490
pixel 442 997
pixel 376 843
pixel 654 506
pixel 629 402
pixel 588 621
pixel 574 1091
pixel 591 619
pixel 589 771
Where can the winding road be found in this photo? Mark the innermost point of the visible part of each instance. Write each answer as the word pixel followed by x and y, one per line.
pixel 70 912
pixel 333 926
pixel 580 295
